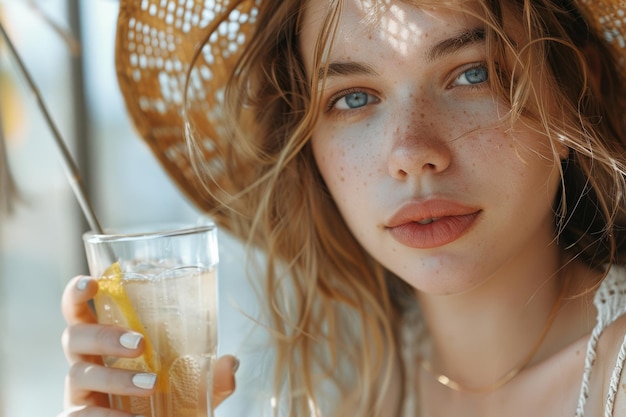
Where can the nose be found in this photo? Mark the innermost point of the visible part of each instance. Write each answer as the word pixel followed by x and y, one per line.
pixel 418 149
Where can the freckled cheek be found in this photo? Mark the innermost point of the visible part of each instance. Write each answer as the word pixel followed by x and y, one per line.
pixel 515 165
pixel 344 163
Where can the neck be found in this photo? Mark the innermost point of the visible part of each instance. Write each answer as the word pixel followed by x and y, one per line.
pixel 480 336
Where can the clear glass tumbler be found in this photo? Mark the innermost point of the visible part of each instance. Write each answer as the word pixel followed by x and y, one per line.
pixel 161 283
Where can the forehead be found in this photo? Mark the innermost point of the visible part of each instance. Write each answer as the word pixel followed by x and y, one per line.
pixel 398 26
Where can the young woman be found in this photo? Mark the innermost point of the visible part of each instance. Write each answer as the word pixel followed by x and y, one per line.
pixel 438 188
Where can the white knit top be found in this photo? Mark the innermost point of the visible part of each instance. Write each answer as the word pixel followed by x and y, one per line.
pixel 610 302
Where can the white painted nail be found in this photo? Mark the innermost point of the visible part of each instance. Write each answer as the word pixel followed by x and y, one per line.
pixel 130 340
pixel 82 283
pixel 144 380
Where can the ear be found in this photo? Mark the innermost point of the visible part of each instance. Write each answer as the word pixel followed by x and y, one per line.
pixel 562 149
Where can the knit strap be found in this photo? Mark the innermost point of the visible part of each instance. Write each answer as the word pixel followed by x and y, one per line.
pixel 615 379
pixel 610 302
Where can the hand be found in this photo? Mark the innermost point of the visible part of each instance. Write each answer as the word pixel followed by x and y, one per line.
pixel 89 382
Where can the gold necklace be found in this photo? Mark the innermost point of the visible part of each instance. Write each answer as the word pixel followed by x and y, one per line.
pixel 456 386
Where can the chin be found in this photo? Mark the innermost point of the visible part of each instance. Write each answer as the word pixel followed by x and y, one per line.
pixel 441 278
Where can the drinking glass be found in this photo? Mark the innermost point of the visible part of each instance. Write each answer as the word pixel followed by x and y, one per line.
pixel 162 283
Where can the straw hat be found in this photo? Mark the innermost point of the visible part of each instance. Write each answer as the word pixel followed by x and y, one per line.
pixel 156 42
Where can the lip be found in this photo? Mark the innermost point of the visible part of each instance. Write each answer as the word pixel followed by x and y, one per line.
pixel 453 221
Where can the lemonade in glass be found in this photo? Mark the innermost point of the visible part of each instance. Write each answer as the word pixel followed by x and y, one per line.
pixel 162 285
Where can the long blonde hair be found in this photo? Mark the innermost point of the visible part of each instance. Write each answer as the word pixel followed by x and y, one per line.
pixel 333 311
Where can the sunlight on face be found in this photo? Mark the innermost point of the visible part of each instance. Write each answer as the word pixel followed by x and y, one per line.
pixel 388 21
pixel 411 144
pixel 398 29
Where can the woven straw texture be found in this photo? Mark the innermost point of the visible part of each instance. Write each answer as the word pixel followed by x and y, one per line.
pixel 155 45
pixel 608 17
pixel 156 41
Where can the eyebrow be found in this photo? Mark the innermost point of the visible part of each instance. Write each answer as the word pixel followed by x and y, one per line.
pixel 454 44
pixel 446 47
pixel 346 68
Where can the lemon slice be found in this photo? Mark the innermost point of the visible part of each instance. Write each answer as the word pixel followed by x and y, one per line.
pixel 112 296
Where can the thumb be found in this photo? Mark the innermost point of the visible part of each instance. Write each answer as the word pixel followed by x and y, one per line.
pixel 224 378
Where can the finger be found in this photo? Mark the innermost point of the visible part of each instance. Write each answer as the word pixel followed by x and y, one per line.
pixel 84 379
pixel 74 304
pixel 84 341
pixel 90 411
pixel 224 379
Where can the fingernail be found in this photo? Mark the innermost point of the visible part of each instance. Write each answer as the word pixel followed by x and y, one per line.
pixel 235 366
pixel 145 381
pixel 82 283
pixel 130 340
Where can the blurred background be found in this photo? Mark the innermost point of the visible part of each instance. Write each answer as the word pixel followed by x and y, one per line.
pixel 40 246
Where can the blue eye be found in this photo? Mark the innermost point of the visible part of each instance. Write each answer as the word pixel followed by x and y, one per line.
pixel 472 76
pixel 354 100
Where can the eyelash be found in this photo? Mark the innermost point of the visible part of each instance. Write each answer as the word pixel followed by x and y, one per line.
pixel 334 99
pixel 470 67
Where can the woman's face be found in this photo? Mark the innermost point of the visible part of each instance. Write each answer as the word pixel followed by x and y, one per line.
pixel 411 144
